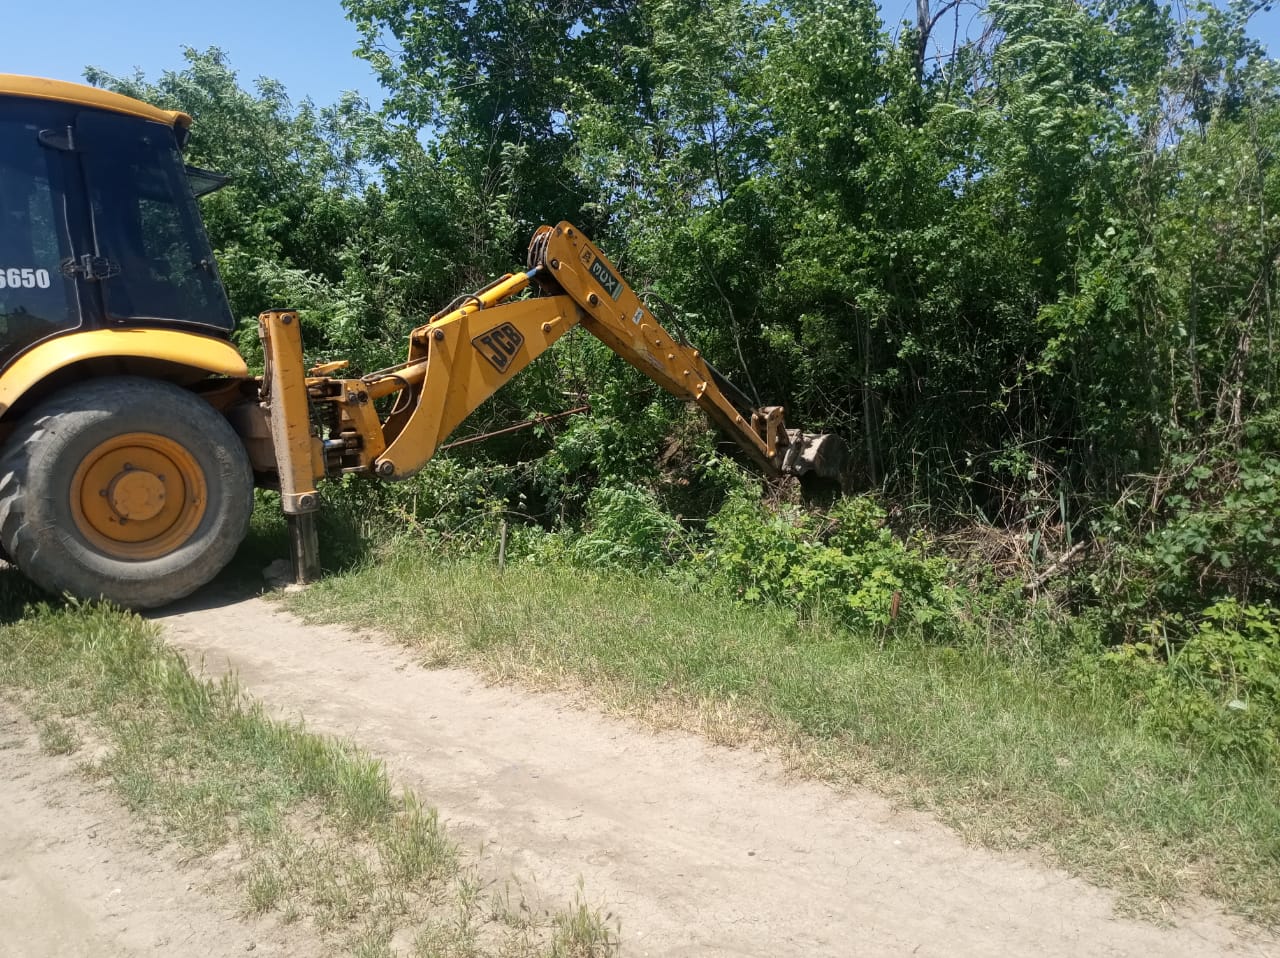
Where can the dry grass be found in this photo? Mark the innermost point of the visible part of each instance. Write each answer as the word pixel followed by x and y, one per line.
pixel 58 738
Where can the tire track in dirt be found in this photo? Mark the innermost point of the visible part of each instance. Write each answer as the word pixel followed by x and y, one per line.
pixel 700 850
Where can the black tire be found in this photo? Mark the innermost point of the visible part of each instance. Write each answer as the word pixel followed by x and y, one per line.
pixel 40 527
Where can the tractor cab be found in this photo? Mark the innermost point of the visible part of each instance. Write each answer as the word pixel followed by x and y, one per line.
pixel 98 220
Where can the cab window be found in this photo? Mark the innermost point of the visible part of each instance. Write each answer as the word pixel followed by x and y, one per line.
pixel 146 225
pixel 36 298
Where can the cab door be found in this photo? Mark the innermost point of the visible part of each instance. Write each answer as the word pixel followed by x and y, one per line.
pixel 40 210
pixel 154 262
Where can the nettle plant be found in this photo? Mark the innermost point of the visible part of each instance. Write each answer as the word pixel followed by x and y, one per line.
pixel 1213 678
pixel 626 527
pixel 846 563
pixel 1223 533
pixel 1212 532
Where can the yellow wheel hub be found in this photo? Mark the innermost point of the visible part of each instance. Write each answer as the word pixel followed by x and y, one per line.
pixel 138 496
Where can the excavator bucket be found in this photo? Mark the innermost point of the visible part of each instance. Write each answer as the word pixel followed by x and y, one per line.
pixel 816 458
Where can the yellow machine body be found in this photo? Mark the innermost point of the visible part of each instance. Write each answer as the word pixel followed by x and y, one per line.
pixel 176 355
pixel 60 91
pixel 85 306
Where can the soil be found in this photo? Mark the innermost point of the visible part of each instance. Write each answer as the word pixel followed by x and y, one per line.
pixel 80 879
pixel 697 849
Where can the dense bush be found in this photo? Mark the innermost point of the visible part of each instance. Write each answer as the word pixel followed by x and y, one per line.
pixel 1213 679
pixel 1206 528
pixel 452 505
pixel 846 563
pixel 626 528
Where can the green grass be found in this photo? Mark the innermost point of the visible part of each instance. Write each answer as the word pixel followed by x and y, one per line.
pixel 319 834
pixel 1006 753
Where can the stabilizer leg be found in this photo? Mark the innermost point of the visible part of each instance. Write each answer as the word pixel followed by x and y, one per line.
pixel 304 547
pixel 298 451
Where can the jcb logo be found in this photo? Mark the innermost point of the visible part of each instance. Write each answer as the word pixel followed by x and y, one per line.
pixel 612 285
pixel 499 345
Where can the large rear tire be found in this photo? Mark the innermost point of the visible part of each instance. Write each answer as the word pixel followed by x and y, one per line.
pixel 127 489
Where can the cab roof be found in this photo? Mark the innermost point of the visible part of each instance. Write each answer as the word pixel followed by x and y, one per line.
pixel 12 84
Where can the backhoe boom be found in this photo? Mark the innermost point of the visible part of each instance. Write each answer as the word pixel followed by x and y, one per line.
pixel 470 350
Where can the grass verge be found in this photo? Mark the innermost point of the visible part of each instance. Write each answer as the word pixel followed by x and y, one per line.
pixel 307 827
pixel 1004 753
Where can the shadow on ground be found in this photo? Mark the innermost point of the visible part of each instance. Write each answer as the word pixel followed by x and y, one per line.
pixel 341 547
pixel 16 593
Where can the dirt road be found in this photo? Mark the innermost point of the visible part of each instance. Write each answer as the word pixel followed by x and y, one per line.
pixel 75 881
pixel 700 850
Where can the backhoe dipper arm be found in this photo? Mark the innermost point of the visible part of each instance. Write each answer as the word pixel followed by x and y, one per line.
pixel 567 261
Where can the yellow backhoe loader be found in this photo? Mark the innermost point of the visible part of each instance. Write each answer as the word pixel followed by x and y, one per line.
pixel 131 431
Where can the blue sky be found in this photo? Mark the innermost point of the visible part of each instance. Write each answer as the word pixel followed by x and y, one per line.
pixel 306 44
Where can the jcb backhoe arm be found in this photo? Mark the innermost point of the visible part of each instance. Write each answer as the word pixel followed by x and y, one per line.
pixel 567 261
pixel 468 351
